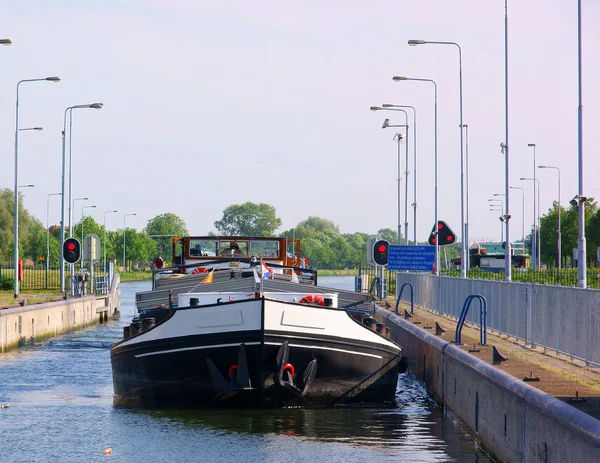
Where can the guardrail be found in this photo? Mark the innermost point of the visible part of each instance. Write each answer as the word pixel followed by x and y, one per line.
pixel 38 277
pixel 565 320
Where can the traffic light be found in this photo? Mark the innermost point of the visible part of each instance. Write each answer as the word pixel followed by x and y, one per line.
pixel 444 234
pixel 71 250
pixel 380 252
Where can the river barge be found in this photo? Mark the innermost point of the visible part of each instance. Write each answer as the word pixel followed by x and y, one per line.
pixel 241 322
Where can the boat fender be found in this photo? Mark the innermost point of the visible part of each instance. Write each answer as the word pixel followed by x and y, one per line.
pixel 232 368
pixel 290 368
pixel 313 299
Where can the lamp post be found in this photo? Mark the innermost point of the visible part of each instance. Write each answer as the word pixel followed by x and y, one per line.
pixel 414 203
pixel 581 248
pixel 62 211
pixel 106 212
pixel 558 231
pixel 16 207
pixel 82 237
pixel 435 168
pixel 48 234
pixel 463 267
pixel 124 233
pixel 523 217
pixel 76 199
pixel 504 145
pixel 398 139
pixel 466 127
pixel 539 235
pixel 501 210
pixel 535 207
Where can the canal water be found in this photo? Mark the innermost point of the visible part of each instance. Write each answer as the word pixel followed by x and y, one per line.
pixel 61 410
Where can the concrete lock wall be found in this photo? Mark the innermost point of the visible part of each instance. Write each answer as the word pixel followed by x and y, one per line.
pixel 20 325
pixel 513 420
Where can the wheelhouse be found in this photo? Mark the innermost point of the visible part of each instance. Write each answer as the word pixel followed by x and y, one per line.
pixel 197 249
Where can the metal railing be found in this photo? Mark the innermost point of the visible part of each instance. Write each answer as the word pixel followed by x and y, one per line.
pixel 368 273
pixel 38 278
pixel 557 318
pixel 553 276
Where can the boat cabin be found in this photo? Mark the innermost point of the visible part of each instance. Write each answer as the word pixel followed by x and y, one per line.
pixel 190 250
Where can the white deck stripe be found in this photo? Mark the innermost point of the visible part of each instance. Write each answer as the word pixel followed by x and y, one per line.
pixel 170 351
pixel 327 348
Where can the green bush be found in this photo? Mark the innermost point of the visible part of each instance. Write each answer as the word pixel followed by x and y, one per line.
pixel 7 283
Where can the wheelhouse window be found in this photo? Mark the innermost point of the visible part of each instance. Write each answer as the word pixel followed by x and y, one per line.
pixel 267 249
pixel 203 248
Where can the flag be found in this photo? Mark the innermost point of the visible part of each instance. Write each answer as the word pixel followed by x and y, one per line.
pixel 209 277
pixel 267 272
pixel 294 277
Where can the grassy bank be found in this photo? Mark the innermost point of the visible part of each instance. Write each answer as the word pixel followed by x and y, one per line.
pixel 138 275
pixel 337 273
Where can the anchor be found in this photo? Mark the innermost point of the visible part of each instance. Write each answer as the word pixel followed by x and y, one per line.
pixel 285 375
pixel 239 377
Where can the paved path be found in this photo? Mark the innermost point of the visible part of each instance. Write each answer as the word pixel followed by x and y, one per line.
pixel 568 380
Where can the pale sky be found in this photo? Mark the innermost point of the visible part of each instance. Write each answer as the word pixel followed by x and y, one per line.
pixel 208 104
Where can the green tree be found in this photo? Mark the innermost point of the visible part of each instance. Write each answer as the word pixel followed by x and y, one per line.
pixel 162 228
pixel 248 219
pixel 390 235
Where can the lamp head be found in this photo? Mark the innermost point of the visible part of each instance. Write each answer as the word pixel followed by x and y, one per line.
pixel 375 108
pixel 387 105
pixel 399 78
pixel 96 105
pixel 414 43
pixel 573 202
pixel 5 42
pixel 53 79
pixel 531 145
pixel 386 123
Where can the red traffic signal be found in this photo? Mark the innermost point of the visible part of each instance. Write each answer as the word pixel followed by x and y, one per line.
pixel 71 250
pixel 444 234
pixel 380 252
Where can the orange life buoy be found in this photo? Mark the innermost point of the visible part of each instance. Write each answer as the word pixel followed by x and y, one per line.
pixel 199 270
pixel 312 299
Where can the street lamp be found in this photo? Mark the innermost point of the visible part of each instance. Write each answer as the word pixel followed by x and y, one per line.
pixel 82 237
pixel 16 212
pixel 463 267
pixel 501 210
pixel 414 203
pixel 62 212
pixel 73 202
pixel 535 205
pixel 106 212
pixel 539 236
pixel 504 145
pixel 581 248
pixel 48 234
pixel 523 217
pixel 435 166
pixel 124 233
pixel 398 139
pixel 466 127
pixel 558 231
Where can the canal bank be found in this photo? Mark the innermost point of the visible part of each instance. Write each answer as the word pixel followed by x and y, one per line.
pixel 26 324
pixel 511 419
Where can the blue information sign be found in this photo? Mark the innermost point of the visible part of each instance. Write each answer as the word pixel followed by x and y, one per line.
pixel 419 258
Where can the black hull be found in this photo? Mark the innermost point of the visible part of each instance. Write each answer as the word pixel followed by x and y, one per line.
pixel 176 372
